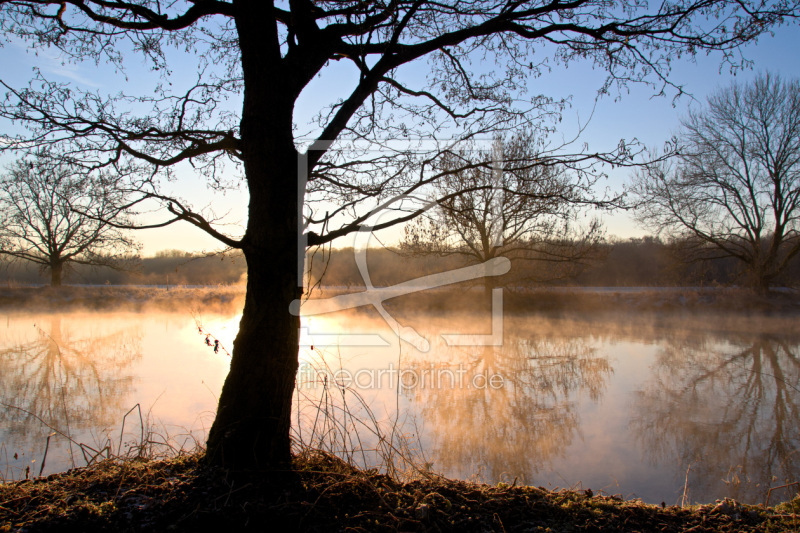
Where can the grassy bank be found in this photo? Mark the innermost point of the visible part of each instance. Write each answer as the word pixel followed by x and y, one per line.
pixel 326 494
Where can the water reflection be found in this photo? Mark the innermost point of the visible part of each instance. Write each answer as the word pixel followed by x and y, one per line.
pixel 727 410
pixel 528 416
pixel 621 404
pixel 64 376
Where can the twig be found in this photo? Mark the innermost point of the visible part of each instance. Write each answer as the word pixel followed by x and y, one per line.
pixel 685 486
pixel 122 429
pixel 44 457
pixel 37 417
pixel 769 492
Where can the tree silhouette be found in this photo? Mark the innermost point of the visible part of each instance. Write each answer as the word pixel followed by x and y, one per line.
pixel 264 55
pixel 515 203
pixel 54 215
pixel 735 188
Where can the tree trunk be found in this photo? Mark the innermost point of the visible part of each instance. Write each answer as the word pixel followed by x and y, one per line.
pixel 251 429
pixel 760 279
pixel 761 284
pixel 490 281
pixel 56 271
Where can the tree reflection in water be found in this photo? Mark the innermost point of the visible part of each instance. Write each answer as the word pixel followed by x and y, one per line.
pixel 73 383
pixel 512 430
pixel 727 409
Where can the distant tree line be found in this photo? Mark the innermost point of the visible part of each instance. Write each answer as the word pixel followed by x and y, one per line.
pixel 650 261
pixel 646 262
pixel 167 268
pixel 635 262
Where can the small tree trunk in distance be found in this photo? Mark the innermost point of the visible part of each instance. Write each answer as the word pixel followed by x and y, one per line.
pixel 761 282
pixel 489 283
pixel 56 271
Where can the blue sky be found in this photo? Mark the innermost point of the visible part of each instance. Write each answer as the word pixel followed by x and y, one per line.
pixel 635 113
pixel 653 120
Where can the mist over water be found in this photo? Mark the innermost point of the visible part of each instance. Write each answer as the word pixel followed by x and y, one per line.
pixel 624 403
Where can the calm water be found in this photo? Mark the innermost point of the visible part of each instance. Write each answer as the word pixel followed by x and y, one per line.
pixel 646 407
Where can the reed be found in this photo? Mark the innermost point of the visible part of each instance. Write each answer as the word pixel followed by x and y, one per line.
pixel 340 421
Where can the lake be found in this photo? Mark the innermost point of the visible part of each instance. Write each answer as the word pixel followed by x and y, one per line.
pixel 666 407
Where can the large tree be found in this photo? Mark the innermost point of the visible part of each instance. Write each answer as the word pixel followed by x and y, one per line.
pixel 514 200
pixel 53 215
pixel 479 55
pixel 733 190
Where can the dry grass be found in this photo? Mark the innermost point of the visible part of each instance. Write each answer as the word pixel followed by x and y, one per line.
pixel 324 493
pixel 142 491
pixel 335 418
pixel 139 490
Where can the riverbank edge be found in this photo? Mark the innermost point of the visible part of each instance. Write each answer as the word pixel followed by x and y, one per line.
pixel 323 493
pixel 559 300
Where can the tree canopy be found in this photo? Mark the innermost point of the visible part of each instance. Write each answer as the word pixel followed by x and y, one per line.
pixel 55 215
pixel 511 201
pixel 734 188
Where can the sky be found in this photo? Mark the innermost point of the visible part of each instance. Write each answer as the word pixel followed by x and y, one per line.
pixel 636 113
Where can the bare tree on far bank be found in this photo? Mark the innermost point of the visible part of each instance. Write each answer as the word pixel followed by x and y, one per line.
pixel 54 215
pixel 734 188
pixel 513 201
